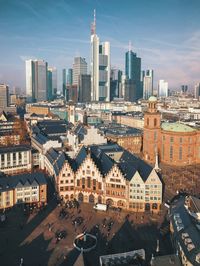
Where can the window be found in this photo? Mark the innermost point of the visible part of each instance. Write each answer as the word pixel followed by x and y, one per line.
pixel 180 153
pixel 20 157
pixel 155 135
pixel 181 140
pixel 163 138
pixel 78 182
pixel 171 139
pixel 88 182
pixel 155 122
pixel 147 121
pixel 163 151
pixel 171 152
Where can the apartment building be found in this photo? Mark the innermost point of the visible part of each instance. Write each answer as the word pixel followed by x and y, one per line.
pixel 15 159
pixel 23 188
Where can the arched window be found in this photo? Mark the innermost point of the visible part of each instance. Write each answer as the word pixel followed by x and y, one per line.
pixel 155 122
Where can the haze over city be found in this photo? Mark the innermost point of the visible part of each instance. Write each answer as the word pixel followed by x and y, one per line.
pixel 165 34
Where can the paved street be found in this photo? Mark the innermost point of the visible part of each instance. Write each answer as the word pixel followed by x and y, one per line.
pixel 33 237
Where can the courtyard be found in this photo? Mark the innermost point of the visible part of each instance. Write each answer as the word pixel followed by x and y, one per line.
pixel 46 237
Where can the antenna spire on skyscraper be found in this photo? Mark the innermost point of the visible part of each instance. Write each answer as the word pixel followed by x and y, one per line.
pixel 93 26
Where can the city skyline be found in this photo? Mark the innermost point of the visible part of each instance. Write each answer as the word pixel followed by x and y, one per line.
pixel 164 35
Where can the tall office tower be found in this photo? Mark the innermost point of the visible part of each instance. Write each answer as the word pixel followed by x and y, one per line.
pixel 52 83
pixel 197 91
pixel 122 87
pixel 115 83
pixel 130 90
pixel 147 81
pixel 79 68
pixel 70 76
pixel 50 86
pixel 84 88
pixel 64 83
pixel 100 67
pixel 133 71
pixel 163 88
pixel 36 80
pixel 4 96
pixel 184 89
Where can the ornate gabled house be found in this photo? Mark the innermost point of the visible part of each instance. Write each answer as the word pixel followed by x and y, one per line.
pixel 94 177
pixel 65 181
pixel 89 179
pixel 116 187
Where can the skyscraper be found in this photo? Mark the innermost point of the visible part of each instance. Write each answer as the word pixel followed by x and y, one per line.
pixel 36 80
pixel 52 83
pixel 133 71
pixel 100 67
pixel 147 80
pixel 50 86
pixel 184 89
pixel 115 83
pixel 162 88
pixel 4 96
pixel 79 68
pixel 84 91
pixel 70 76
pixel 197 91
pixel 130 90
pixel 64 82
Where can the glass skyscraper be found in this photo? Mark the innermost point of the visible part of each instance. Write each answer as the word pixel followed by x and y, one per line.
pixel 36 80
pixel 133 72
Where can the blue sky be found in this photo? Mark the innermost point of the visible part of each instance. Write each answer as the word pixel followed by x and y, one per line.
pixel 165 34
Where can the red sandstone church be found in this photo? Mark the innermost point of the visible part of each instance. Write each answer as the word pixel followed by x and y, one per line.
pixel 174 143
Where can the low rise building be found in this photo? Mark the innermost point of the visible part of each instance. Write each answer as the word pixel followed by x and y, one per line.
pixel 127 137
pixel 84 135
pixel 23 188
pixel 94 177
pixel 15 159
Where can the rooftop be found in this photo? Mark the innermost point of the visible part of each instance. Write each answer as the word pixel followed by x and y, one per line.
pixel 186 231
pixel 176 127
pixel 166 260
pixel 27 179
pixel 14 148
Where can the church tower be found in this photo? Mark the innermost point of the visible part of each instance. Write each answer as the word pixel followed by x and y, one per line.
pixel 151 134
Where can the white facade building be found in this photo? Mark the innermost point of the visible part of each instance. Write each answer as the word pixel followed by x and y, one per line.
pixel 79 68
pixel 100 67
pixel 197 91
pixel 15 159
pixel 162 88
pixel 147 78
